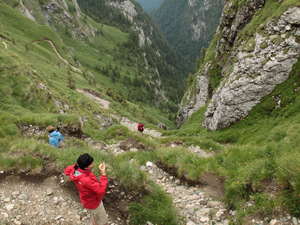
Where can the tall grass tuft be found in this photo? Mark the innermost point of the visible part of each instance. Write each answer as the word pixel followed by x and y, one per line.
pixel 156 207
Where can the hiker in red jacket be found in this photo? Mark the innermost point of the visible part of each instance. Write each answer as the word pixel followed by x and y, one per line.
pixel 140 127
pixel 90 189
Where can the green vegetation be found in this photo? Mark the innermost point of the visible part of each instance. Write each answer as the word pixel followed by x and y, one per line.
pixel 38 88
pixel 175 20
pixel 171 66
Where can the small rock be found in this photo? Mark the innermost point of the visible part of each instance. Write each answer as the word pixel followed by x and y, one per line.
pixel 273 222
pixel 9 207
pixel 49 191
pixel 190 223
pixel 204 219
pixel 15 193
pixel 58 217
pixel 23 196
pixel 17 222
pixel 149 164
pixel 191 211
pixel 203 202
pixel 6 200
pixel 214 204
pixel 295 222
pixel 55 200
pixel 5 215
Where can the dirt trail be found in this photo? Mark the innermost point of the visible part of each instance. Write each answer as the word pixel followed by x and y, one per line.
pixel 133 127
pixel 57 53
pixel 34 201
pixel 100 101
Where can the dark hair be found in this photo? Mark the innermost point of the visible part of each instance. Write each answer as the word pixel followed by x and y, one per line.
pixel 50 129
pixel 84 161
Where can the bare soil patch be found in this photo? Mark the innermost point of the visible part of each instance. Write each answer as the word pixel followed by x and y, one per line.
pixel 131 143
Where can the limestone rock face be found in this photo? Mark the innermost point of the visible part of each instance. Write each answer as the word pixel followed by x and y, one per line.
pixel 234 22
pixel 58 11
pixel 127 8
pixel 250 68
pixel 256 73
pixel 195 100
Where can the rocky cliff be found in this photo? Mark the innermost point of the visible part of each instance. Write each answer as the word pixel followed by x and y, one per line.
pixel 252 54
pixel 57 15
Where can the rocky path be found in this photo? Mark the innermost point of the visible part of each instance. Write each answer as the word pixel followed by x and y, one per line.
pixel 40 202
pixel 133 127
pixel 193 203
pixel 100 101
pixel 57 53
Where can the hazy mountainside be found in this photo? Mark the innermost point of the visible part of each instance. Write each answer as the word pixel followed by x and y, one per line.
pixel 149 5
pixel 256 48
pixel 188 25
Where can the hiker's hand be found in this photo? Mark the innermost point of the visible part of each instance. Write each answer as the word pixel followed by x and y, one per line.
pixel 102 168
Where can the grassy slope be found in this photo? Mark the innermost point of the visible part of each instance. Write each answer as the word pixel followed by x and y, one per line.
pixel 258 148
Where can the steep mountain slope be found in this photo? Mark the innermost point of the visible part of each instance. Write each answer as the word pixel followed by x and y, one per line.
pixel 159 59
pixel 256 47
pixel 64 51
pixel 188 25
pixel 143 61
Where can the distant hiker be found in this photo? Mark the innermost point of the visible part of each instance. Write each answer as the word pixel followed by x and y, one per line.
pixel 90 189
pixel 55 137
pixel 140 127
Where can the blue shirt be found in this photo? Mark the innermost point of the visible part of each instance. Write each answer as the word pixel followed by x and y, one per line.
pixel 55 136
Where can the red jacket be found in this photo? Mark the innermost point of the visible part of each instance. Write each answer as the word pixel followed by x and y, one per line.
pixel 140 127
pixel 90 189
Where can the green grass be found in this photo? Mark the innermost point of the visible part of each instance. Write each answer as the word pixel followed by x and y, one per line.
pixel 157 208
pixel 263 146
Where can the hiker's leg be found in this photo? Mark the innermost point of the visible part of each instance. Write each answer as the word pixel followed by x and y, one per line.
pixel 99 216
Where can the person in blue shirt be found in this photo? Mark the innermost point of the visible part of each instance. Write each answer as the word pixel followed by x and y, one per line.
pixel 55 137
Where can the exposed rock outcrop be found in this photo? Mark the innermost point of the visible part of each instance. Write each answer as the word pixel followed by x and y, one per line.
pixel 195 100
pixel 250 67
pixel 256 73
pixel 233 21
pixel 60 12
